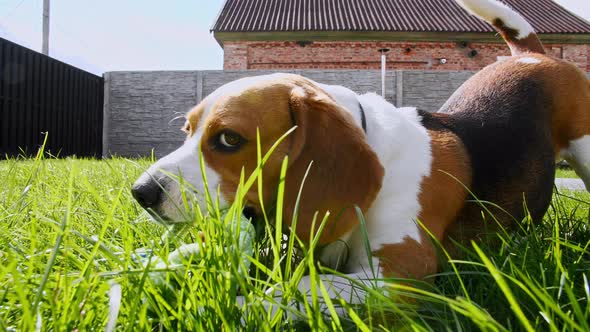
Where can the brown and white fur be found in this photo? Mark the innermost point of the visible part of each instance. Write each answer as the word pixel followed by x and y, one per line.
pixel 571 116
pixel 498 136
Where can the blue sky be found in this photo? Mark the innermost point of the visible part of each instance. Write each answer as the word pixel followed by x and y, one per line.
pixel 109 35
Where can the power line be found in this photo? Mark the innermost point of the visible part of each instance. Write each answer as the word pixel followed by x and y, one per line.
pixel 73 37
pixel 10 12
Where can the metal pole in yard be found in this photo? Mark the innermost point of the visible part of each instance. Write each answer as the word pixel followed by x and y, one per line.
pixel 46 27
pixel 383 52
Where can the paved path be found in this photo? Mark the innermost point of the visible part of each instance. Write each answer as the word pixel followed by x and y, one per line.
pixel 570 184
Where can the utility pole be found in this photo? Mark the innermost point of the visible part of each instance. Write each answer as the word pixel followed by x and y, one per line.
pixel 46 27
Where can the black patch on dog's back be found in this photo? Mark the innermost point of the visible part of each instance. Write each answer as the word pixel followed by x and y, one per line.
pixel 505 128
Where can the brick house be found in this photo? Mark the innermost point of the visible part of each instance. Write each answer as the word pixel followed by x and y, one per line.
pixel 348 34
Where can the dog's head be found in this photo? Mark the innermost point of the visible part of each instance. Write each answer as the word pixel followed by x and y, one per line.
pixel 344 170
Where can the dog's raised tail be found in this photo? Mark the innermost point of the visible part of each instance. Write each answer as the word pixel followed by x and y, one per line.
pixel 516 31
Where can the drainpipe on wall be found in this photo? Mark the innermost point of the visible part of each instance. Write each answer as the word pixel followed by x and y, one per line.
pixel 383 52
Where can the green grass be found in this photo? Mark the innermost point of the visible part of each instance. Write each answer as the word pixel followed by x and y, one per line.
pixel 566 173
pixel 69 229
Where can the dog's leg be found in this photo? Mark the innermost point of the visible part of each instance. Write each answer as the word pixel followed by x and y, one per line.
pixel 580 169
pixel 578 157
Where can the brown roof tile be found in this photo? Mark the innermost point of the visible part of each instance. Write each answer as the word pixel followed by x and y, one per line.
pixel 546 16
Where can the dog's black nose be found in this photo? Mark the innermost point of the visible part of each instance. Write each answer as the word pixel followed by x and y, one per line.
pixel 147 193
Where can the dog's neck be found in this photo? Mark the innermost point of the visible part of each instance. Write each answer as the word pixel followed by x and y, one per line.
pixel 403 146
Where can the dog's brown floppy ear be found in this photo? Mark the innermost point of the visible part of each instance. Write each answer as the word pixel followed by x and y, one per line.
pixel 345 171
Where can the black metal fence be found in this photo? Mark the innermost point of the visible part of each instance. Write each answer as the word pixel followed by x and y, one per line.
pixel 42 96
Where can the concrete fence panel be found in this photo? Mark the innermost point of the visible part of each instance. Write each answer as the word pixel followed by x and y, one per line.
pixel 139 110
pixel 428 90
pixel 140 106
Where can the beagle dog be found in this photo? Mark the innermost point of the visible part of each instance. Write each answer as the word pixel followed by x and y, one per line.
pixel 413 174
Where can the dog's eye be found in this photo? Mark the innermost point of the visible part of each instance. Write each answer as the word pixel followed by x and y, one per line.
pixel 230 140
pixel 186 128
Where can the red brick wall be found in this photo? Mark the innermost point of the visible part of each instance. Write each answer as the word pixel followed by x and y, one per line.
pixel 364 55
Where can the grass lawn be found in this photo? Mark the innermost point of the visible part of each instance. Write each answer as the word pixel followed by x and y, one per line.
pixel 69 231
pixel 566 173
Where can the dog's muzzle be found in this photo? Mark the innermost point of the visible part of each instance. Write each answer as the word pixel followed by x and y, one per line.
pixel 148 192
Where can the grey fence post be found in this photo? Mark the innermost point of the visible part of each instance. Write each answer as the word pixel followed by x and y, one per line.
pixel 399 88
pixel 199 86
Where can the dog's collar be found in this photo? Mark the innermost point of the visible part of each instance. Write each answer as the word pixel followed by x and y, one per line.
pixel 363 118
